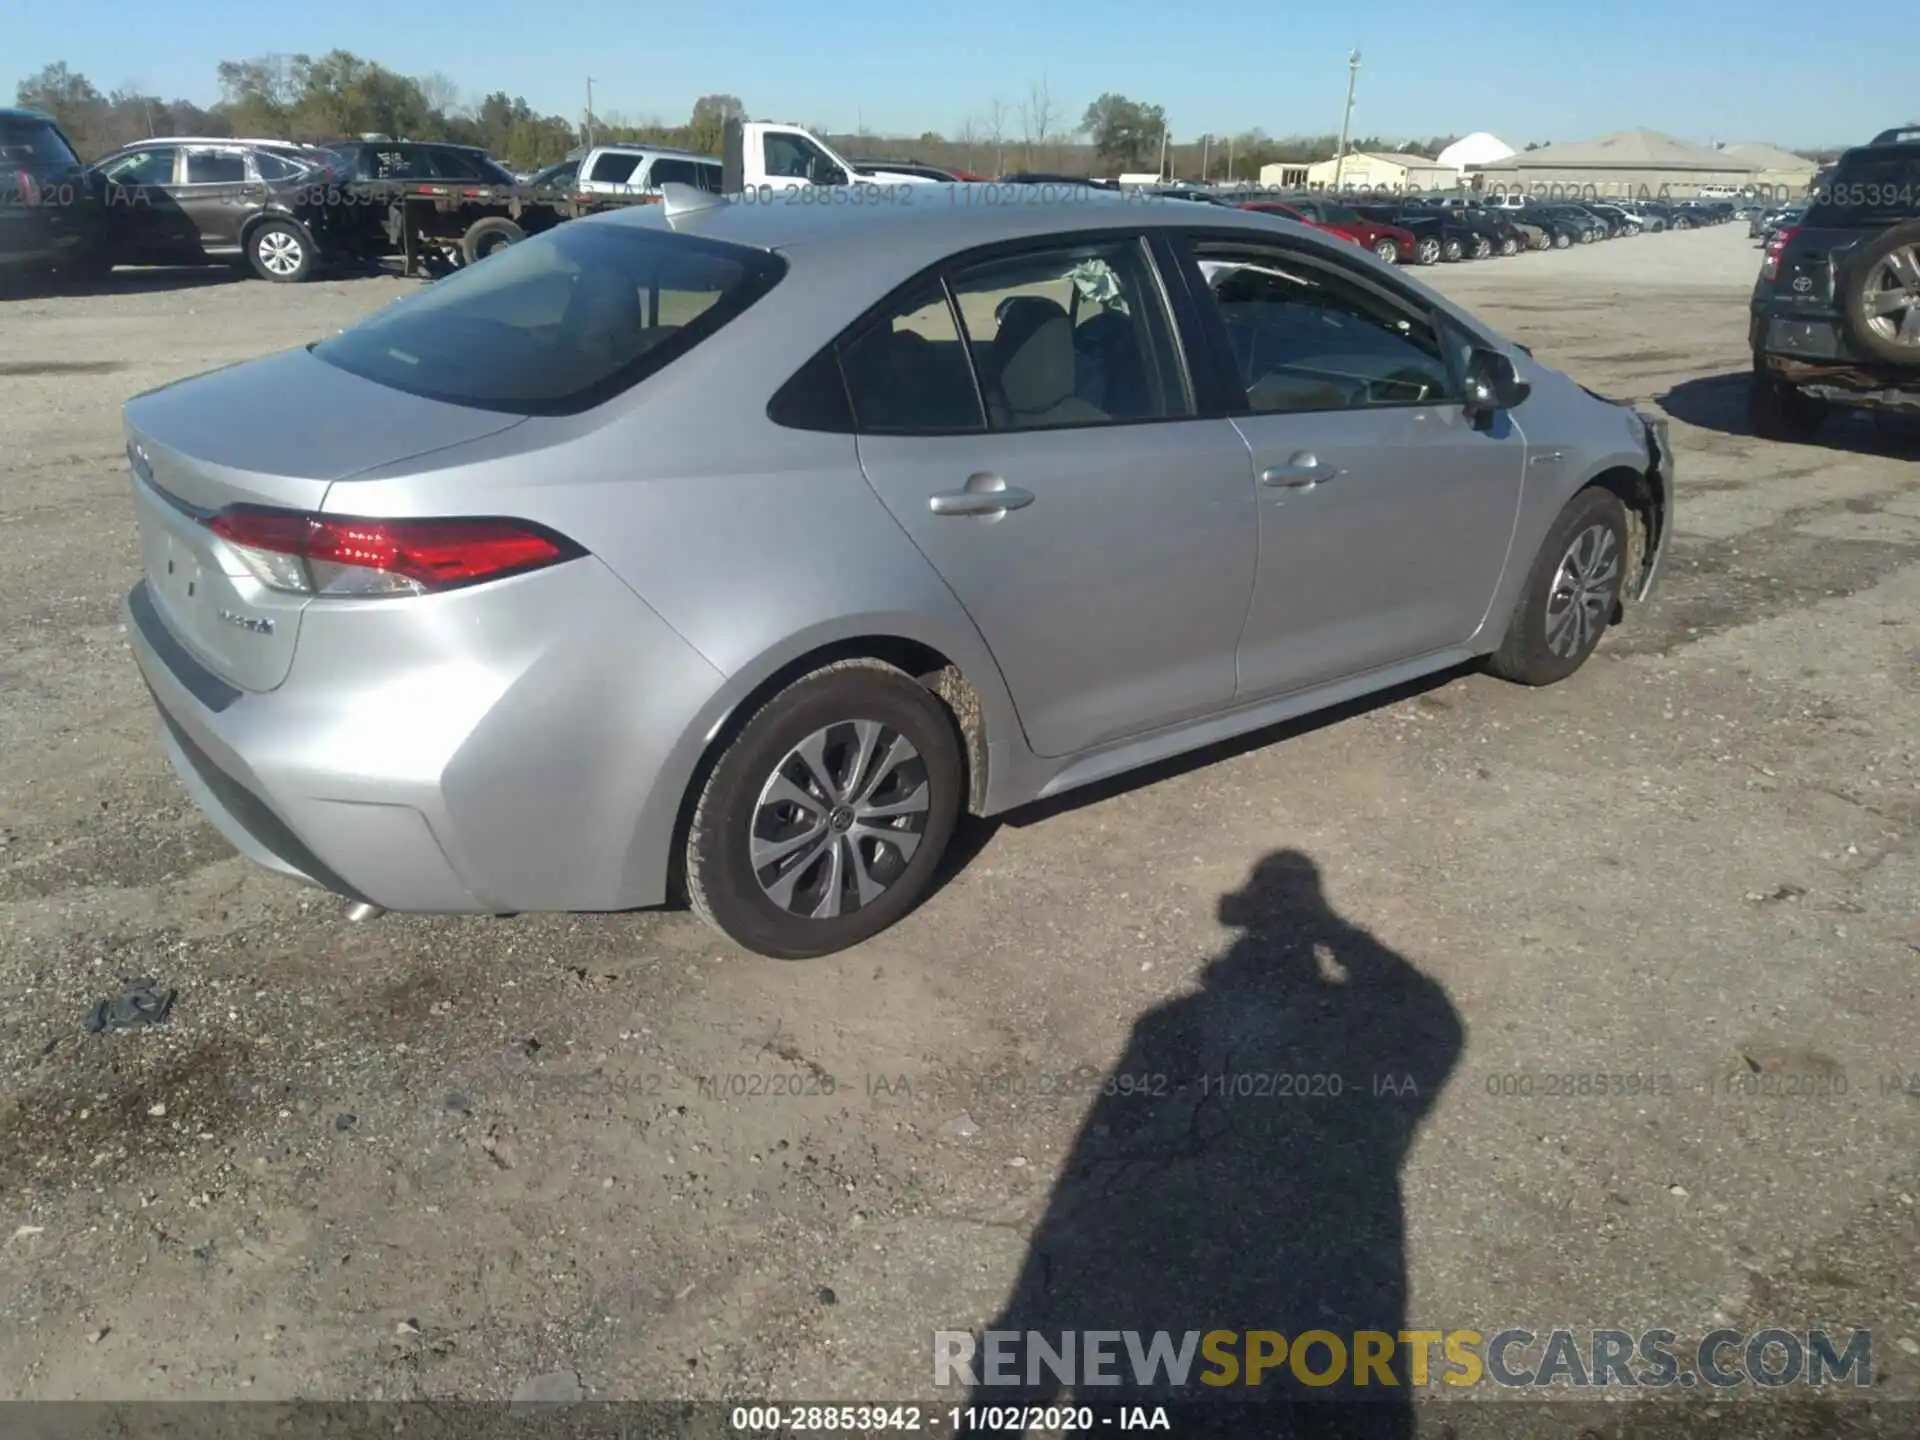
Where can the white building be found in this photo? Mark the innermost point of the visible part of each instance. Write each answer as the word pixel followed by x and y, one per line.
pixel 1387 170
pixel 1479 148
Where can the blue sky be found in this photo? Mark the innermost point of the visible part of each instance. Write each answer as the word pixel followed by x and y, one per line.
pixel 1701 69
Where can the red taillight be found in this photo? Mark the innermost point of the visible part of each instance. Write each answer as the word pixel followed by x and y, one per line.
pixel 27 188
pixel 1776 247
pixel 336 555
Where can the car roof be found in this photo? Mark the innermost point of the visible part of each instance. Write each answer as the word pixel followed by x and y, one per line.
pixel 921 226
pixel 266 144
pixel 640 147
pixel 22 112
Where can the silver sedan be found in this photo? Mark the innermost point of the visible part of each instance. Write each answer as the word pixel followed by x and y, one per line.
pixel 730 549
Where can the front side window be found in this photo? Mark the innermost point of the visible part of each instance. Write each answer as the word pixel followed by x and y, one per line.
pixel 1077 335
pixel 143 167
pixel 1305 338
pixel 216 167
pixel 559 322
pixel 794 157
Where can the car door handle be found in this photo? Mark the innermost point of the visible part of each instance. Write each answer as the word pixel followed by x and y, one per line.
pixel 1302 472
pixel 983 495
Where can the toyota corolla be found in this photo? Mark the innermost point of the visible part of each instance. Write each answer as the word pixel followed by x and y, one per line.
pixel 731 551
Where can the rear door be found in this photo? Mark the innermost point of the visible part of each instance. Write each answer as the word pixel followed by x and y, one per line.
pixel 1385 515
pixel 1027 421
pixel 216 195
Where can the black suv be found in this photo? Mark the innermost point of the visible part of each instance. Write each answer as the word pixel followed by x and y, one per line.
pixel 1835 314
pixel 49 208
pixel 187 200
pixel 421 160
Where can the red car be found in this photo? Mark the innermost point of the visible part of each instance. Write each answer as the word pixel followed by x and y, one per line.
pixel 1389 242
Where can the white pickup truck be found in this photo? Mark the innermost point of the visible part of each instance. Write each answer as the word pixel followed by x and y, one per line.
pixel 781 156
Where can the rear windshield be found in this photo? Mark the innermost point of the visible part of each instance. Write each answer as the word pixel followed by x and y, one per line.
pixel 557 323
pixel 1868 190
pixel 32 142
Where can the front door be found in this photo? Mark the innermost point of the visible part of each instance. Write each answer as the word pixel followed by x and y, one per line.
pixel 1385 514
pixel 1025 420
pixel 144 222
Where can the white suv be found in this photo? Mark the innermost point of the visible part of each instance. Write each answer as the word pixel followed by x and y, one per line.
pixel 643 169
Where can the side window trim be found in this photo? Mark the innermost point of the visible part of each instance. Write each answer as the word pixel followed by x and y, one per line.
pixel 1220 347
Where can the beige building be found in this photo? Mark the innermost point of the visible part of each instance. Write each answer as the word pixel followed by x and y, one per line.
pixel 1384 170
pixel 1286 175
pixel 1630 163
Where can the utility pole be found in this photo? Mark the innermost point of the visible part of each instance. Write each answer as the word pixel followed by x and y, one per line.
pixel 589 112
pixel 1346 121
pixel 1163 152
pixel 1206 153
pixel 1230 140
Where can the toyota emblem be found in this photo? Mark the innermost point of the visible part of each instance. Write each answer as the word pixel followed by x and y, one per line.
pixel 1802 284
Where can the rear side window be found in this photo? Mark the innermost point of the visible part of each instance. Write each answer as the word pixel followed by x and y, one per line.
pixel 685 172
pixel 275 167
pixel 558 323
pixel 908 371
pixel 1867 189
pixel 216 167
pixel 614 168
pixel 33 142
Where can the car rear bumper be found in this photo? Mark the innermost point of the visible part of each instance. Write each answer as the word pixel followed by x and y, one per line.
pixel 518 746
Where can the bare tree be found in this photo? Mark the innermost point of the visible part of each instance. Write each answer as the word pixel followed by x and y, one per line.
pixel 967 135
pixel 997 134
pixel 440 93
pixel 1036 116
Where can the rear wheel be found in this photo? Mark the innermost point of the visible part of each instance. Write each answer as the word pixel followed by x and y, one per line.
pixel 1387 251
pixel 1561 240
pixel 1451 249
pixel 1482 247
pixel 1779 411
pixel 483 237
pixel 1427 252
pixel 824 820
pixel 1509 246
pixel 1570 594
pixel 280 251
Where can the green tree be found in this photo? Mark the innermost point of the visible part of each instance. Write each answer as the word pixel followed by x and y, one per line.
pixel 708 122
pixel 68 96
pixel 1124 131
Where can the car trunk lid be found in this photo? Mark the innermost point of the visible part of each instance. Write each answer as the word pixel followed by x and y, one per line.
pixel 277 433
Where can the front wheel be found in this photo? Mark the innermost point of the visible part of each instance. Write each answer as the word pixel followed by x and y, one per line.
pixel 1509 246
pixel 1452 250
pixel 1427 252
pixel 280 252
pixel 1561 240
pixel 484 236
pixel 1482 247
pixel 824 820
pixel 1388 252
pixel 1570 594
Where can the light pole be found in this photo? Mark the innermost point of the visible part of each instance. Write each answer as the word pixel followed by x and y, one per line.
pixel 1346 121
pixel 589 112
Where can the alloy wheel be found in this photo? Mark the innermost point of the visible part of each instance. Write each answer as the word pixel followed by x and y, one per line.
pixel 279 252
pixel 1890 298
pixel 838 819
pixel 1580 600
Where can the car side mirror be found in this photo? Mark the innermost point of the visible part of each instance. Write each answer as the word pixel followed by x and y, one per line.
pixel 822 171
pixel 1492 384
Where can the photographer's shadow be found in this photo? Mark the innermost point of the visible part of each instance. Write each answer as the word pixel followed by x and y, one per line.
pixel 1256 1187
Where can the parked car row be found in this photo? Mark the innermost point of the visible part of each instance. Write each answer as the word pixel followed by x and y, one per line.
pixel 1435 229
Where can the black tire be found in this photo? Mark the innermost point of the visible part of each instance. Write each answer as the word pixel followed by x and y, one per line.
pixel 1451 249
pixel 1426 251
pixel 1482 247
pixel 1561 240
pixel 1777 410
pixel 1587 237
pixel 1854 277
pixel 722 882
pixel 1683 223
pixel 483 237
pixel 1509 246
pixel 1388 251
pixel 1528 653
pixel 280 251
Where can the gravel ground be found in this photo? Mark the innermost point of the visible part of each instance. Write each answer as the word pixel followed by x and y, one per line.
pixel 463 1157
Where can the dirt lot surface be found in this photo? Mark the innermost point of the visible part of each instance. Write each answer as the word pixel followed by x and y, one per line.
pixel 611 1156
